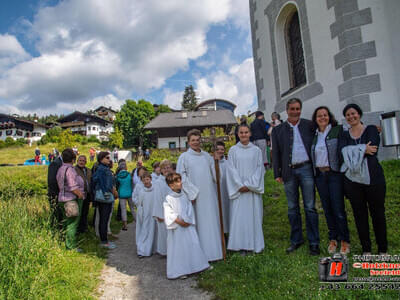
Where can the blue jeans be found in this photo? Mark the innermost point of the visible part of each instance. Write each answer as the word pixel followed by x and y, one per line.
pixel 330 190
pixel 302 178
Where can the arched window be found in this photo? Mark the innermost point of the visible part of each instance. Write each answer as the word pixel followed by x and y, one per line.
pixel 295 54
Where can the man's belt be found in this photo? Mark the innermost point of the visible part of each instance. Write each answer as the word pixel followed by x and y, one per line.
pixel 296 166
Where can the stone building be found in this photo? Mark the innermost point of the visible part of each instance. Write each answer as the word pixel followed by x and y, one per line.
pixel 327 52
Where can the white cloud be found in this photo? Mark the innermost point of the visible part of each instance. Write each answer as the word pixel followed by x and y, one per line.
pixel 11 52
pixel 92 48
pixel 236 85
pixel 172 99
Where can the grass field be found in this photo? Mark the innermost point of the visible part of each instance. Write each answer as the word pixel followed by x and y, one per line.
pixel 35 265
pixel 276 275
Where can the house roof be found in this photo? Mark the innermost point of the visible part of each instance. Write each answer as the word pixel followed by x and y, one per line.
pixel 8 118
pixel 105 108
pixel 77 116
pixel 192 119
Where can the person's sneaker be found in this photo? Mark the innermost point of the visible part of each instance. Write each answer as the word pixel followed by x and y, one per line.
pixel 183 277
pixel 109 245
pixel 344 248
pixel 332 246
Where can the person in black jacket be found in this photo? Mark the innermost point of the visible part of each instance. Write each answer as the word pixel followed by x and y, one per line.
pixel 53 190
pixel 292 166
pixel 259 134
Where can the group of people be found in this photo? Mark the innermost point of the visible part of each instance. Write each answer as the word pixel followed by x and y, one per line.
pixel 177 212
pixel 340 161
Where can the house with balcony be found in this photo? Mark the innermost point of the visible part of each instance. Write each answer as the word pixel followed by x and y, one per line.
pixel 16 128
pixel 87 125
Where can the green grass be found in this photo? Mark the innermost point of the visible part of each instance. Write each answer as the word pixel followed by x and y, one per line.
pixel 275 275
pixel 34 263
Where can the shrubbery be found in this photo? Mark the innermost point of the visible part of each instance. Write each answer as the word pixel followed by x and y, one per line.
pixel 10 142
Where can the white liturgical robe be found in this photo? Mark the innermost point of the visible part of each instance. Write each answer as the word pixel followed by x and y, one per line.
pixel 144 199
pixel 185 255
pixel 245 168
pixel 198 182
pixel 158 211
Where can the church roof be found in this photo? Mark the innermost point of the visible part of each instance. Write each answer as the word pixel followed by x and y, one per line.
pixel 192 119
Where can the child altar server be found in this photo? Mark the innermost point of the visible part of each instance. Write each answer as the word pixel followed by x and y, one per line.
pixel 144 198
pixel 185 255
pixel 158 209
pixel 245 180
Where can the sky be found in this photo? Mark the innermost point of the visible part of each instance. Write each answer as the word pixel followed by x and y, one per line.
pixel 60 56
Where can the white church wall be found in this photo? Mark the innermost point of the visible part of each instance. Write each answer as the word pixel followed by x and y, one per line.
pixel 384 31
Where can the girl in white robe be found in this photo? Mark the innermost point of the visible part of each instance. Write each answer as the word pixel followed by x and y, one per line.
pixel 185 255
pixel 144 197
pixel 158 210
pixel 245 181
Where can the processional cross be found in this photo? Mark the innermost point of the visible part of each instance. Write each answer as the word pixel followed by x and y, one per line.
pixel 214 139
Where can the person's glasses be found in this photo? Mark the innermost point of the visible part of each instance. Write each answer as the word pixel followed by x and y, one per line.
pixel 108 158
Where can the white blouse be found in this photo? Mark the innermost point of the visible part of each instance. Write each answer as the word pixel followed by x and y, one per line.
pixel 321 152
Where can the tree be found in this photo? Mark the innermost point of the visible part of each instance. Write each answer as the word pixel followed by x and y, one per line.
pixel 162 108
pixel 131 120
pixel 116 139
pixel 189 101
pixel 66 140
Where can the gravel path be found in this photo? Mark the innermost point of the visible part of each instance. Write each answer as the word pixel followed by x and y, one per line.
pixel 125 276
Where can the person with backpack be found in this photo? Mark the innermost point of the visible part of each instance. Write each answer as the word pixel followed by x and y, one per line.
pixel 124 183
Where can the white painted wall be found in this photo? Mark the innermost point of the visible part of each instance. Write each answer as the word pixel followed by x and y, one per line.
pixel 163 143
pixel 384 30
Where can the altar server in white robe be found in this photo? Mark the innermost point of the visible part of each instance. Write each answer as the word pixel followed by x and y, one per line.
pixel 245 180
pixel 198 182
pixel 156 171
pixel 158 210
pixel 144 198
pixel 185 255
pixel 225 201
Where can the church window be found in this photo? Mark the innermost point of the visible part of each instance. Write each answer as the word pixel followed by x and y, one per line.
pixel 295 52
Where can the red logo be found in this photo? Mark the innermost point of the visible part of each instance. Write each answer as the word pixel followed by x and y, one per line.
pixel 336 269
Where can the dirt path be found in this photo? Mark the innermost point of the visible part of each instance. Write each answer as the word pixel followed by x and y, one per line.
pixel 125 276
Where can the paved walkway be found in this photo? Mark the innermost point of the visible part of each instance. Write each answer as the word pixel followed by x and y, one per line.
pixel 125 276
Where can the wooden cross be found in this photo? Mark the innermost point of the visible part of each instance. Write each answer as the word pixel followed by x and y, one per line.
pixel 214 139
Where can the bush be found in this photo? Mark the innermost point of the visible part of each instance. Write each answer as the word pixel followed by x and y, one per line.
pixel 2 144
pixel 44 140
pixel 9 141
pixel 53 134
pixel 93 139
pixel 84 140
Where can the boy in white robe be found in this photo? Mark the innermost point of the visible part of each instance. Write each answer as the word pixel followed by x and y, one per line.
pixel 156 171
pixel 158 209
pixel 197 168
pixel 185 255
pixel 245 180
pixel 144 198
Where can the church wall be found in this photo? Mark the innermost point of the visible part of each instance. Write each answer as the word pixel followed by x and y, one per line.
pixel 351 51
pixel 384 31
